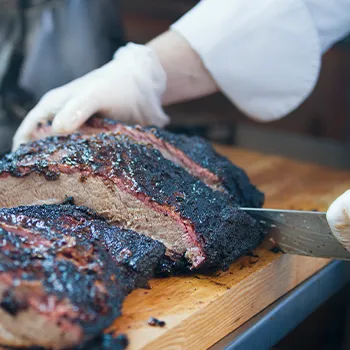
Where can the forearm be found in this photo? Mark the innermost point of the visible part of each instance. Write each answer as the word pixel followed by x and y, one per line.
pixel 264 56
pixel 187 78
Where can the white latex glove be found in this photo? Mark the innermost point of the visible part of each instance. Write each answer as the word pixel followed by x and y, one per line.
pixel 338 217
pixel 128 89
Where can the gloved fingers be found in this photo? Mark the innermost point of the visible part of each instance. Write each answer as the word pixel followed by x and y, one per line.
pixel 23 133
pixel 75 113
pixel 27 128
pixel 45 110
pixel 159 118
pixel 338 216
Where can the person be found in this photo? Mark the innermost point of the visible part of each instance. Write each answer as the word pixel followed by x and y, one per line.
pixel 264 55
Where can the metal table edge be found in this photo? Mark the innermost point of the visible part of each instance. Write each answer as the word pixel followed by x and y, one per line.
pixel 272 324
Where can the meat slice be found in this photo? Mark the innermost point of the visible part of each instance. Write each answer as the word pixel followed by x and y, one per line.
pixel 64 274
pixel 134 186
pixel 194 154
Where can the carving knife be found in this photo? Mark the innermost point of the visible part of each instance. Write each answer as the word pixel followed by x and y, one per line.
pixel 299 232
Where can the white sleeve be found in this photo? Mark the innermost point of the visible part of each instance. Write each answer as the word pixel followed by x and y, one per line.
pixel 264 55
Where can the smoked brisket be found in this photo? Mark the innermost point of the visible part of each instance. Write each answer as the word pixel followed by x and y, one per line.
pixel 194 154
pixel 134 186
pixel 64 274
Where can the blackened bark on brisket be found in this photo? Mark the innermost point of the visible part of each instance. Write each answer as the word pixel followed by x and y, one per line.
pixel 71 267
pixel 233 179
pixel 137 253
pixel 219 232
pixel 194 154
pixel 105 342
pixel 101 342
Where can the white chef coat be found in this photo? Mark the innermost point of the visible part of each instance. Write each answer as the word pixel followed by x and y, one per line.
pixel 265 55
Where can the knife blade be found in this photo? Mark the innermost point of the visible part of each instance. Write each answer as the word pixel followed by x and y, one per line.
pixel 300 232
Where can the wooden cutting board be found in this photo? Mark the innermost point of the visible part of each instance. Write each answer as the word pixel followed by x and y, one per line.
pixel 200 310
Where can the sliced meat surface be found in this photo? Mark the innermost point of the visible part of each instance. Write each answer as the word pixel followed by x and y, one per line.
pixel 134 186
pixel 64 274
pixel 194 154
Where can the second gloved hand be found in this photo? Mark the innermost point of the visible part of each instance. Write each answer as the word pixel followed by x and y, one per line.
pixel 129 89
pixel 338 216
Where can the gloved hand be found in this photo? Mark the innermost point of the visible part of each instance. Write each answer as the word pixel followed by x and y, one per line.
pixel 129 89
pixel 338 216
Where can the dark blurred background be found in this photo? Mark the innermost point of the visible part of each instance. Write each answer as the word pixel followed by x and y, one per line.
pixel 46 43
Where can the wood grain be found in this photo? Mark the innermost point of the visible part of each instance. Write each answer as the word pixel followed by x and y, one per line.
pixel 200 310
